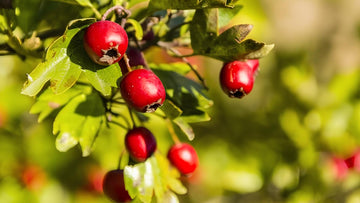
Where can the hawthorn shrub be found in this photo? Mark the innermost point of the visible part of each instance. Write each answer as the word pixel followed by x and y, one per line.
pixel 92 77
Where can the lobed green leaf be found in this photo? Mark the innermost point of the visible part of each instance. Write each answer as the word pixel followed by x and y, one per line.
pixel 79 122
pixel 190 4
pixel 57 67
pixel 48 102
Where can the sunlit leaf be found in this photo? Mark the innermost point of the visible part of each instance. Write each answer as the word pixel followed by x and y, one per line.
pixel 185 127
pixel 139 181
pixel 47 102
pixel 137 28
pixel 58 66
pixel 79 122
pixel 170 109
pixel 226 14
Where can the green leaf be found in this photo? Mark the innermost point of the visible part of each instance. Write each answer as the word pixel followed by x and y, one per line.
pixel 85 3
pixel 139 181
pixel 58 66
pixel 169 175
pixel 231 46
pixel 203 29
pixel 189 4
pixel 137 28
pixel 79 122
pixel 170 109
pixel 154 176
pixel 226 14
pixel 47 102
pixel 183 91
pixel 185 127
pixel 102 78
pixel 179 67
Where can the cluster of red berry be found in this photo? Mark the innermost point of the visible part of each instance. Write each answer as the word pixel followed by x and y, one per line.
pixel 106 43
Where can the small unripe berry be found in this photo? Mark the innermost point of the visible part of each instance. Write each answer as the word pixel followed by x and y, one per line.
pixel 140 143
pixel 237 79
pixel 114 186
pixel 142 90
pixel 105 42
pixel 183 156
pixel 135 57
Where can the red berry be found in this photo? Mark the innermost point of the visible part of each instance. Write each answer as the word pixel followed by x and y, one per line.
pixel 105 42
pixel 142 90
pixel 340 168
pixel 183 156
pixel 237 79
pixel 353 162
pixel 253 64
pixel 114 186
pixel 140 143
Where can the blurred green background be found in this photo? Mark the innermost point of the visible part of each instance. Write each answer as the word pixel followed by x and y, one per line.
pixel 275 145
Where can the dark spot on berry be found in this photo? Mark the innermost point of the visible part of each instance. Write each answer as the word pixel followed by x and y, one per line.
pixel 237 93
pixel 152 107
pixel 112 53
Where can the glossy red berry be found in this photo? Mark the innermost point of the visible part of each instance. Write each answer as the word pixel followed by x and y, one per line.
pixel 105 42
pixel 183 156
pixel 237 79
pixel 142 90
pixel 114 186
pixel 253 64
pixel 140 143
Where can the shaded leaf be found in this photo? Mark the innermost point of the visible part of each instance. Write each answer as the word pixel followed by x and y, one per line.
pixel 102 78
pixel 57 67
pixel 47 102
pixel 189 4
pixel 183 91
pixel 231 46
pixel 79 122
pixel 203 29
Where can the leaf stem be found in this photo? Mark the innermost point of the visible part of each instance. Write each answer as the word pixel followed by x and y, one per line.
pixel 183 57
pixel 127 67
pixel 120 159
pixel 171 129
pixel 120 11
pixel 132 117
pixel 96 12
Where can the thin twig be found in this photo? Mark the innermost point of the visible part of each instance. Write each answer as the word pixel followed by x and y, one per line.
pixel 200 78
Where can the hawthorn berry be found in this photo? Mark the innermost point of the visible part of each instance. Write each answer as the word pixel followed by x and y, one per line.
pixel 237 78
pixel 253 64
pixel 142 90
pixel 114 186
pixel 105 42
pixel 140 143
pixel 183 156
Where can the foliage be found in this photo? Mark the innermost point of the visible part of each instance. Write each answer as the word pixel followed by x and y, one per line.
pixel 275 145
pixel 83 97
